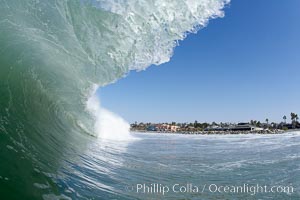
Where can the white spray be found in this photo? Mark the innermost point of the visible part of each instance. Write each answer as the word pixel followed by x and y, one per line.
pixel 108 125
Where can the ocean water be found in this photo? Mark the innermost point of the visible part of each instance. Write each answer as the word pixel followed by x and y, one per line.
pixel 108 169
pixel 57 142
pixel 54 54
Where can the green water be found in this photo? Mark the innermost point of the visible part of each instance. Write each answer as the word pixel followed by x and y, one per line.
pixel 112 170
pixel 53 53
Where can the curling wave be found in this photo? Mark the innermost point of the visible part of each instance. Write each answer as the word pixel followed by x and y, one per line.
pixel 53 52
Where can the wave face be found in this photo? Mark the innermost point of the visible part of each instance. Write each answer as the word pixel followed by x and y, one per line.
pixel 53 52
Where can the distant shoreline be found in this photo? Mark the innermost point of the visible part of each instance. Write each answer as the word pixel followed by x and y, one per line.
pixel 264 132
pixel 196 128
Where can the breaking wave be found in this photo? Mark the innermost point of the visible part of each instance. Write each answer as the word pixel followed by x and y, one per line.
pixel 54 52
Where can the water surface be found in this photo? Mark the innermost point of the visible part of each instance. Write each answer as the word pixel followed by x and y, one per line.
pixel 113 170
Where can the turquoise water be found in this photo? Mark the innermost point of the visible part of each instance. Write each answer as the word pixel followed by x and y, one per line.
pixel 53 54
pixel 112 170
pixel 53 135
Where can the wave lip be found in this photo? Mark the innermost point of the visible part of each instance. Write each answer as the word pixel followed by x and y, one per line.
pixel 151 29
pixel 53 52
pixel 61 49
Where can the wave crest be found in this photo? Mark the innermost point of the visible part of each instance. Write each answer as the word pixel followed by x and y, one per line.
pixel 53 52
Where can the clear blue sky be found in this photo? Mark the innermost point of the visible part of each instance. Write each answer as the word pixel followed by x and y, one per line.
pixel 241 67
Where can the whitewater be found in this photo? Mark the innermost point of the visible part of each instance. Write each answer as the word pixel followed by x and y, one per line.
pixel 53 55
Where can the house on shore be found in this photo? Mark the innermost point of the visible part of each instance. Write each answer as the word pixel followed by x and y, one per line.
pixel 238 127
pixel 245 127
pixel 167 128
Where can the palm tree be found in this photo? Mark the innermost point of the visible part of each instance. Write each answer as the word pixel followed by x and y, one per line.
pixel 284 118
pixel 293 115
pixel 258 124
pixel 294 118
pixel 267 120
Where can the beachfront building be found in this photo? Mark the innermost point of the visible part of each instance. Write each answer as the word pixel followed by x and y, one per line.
pixel 151 128
pixel 167 128
pixel 162 127
pixel 245 127
pixel 238 127
pixel 174 128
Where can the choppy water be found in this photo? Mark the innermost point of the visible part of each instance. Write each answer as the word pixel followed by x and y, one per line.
pixel 53 52
pixel 111 170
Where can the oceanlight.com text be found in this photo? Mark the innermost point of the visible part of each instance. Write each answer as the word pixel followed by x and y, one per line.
pixel 251 189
